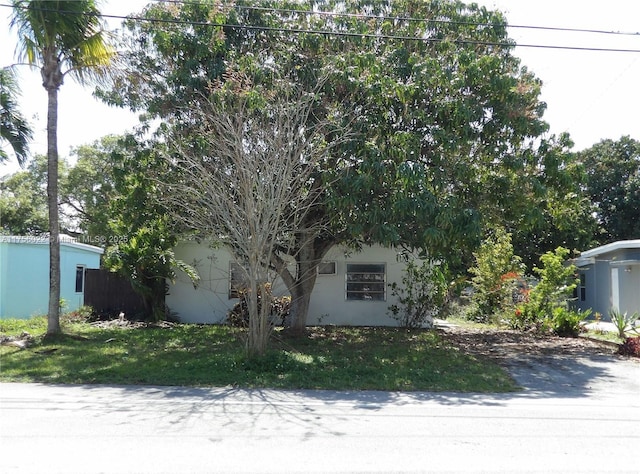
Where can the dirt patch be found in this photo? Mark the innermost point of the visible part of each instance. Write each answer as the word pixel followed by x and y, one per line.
pixel 505 345
pixel 126 324
pixel 23 341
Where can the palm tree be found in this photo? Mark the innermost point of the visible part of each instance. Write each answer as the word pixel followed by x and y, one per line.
pixel 61 37
pixel 14 128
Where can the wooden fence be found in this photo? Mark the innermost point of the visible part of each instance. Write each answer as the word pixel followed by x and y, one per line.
pixel 109 294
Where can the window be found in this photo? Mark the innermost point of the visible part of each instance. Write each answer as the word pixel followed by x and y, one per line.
pixel 79 278
pixel 583 287
pixel 366 281
pixel 237 280
pixel 327 268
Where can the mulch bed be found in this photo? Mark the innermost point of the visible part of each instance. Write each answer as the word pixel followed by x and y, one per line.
pixel 503 345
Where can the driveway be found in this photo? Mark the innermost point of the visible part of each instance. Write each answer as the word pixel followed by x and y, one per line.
pixel 579 414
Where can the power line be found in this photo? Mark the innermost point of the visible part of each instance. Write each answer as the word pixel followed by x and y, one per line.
pixel 411 19
pixel 371 35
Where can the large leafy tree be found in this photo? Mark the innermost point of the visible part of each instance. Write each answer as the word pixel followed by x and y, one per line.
pixel 14 128
pixel 90 187
pixel 540 201
pixel 113 195
pixel 61 37
pixel 612 169
pixel 23 202
pixel 251 182
pixel 434 99
pixel 141 233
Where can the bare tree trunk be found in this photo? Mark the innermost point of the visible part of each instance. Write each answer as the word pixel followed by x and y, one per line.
pixel 53 314
pixel 259 330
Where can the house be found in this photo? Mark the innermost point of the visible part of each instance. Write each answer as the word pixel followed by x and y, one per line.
pixel 609 278
pixel 352 288
pixel 24 274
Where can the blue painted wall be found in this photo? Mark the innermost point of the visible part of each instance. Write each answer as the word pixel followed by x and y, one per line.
pixel 24 274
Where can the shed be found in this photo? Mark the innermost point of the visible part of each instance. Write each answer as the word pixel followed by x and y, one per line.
pixel 24 274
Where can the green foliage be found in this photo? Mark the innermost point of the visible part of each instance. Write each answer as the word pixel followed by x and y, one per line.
pixel 401 178
pixel 90 186
pixel 495 277
pixel 421 294
pixel 83 314
pixel 557 280
pixel 623 322
pixel 209 355
pixel 114 190
pixel 65 37
pixel 612 172
pixel 438 128
pixel 23 199
pixel 14 128
pixel 542 200
pixel 567 322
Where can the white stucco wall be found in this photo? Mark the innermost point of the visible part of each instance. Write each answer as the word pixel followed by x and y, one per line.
pixel 209 302
pixel 328 301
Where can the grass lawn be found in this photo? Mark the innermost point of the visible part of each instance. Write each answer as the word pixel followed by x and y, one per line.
pixel 195 355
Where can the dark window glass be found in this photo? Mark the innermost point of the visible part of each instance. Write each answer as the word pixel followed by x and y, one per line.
pixel 79 279
pixel 366 281
pixel 327 268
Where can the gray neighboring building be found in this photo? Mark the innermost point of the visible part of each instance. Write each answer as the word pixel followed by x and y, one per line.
pixel 609 278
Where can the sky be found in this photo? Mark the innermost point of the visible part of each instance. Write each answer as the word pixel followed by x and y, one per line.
pixel 592 95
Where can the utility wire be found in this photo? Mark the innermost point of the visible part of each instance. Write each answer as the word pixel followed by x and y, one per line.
pixel 408 19
pixel 368 35
pixel 373 36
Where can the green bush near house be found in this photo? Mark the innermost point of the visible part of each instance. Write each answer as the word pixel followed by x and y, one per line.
pixel 565 322
pixel 547 308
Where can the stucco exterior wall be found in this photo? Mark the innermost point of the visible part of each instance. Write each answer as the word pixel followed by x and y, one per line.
pixel 328 301
pixel 612 277
pixel 209 302
pixel 24 275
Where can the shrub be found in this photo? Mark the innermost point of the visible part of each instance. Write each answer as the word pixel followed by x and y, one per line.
pixel 623 322
pixel 566 322
pixel 421 295
pixel 631 347
pixel 528 317
pixel 238 316
pixel 83 314
pixel 555 287
pixel 496 275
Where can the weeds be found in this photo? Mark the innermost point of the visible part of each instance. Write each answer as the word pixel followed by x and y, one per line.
pixel 208 355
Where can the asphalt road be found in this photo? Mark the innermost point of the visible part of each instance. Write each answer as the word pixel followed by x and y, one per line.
pixel 575 415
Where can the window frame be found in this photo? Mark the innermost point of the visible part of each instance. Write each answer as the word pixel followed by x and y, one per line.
pixel 329 262
pixel 80 270
pixel 356 268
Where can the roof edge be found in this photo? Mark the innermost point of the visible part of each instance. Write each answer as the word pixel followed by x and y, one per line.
pixel 65 240
pixel 613 246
